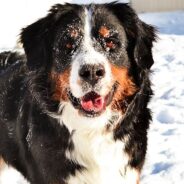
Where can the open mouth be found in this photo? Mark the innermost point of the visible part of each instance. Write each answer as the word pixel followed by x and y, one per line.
pixel 92 104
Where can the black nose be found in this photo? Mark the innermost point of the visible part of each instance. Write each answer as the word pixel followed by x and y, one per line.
pixel 92 73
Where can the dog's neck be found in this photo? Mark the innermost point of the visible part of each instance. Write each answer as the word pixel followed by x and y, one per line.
pixel 75 121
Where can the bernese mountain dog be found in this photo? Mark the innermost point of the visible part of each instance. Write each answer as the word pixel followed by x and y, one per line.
pixel 73 108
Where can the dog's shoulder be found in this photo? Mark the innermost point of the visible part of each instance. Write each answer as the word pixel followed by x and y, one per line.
pixel 12 75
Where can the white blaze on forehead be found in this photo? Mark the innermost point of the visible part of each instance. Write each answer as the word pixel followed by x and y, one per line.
pixel 88 55
pixel 87 28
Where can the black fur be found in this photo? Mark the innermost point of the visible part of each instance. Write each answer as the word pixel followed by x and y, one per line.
pixel 35 143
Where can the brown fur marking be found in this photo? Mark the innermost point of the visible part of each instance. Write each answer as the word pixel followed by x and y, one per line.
pixel 61 83
pixel 104 31
pixel 2 164
pixel 125 89
pixel 138 177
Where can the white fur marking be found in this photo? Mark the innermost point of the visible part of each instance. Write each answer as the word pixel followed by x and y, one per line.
pixel 88 55
pixel 75 121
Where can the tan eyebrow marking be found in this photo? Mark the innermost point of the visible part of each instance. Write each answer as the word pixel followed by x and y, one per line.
pixel 104 31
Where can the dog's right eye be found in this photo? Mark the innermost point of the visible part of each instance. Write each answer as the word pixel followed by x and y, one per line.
pixel 69 46
pixel 70 42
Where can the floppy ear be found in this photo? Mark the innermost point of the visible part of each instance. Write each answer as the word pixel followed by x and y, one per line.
pixel 140 35
pixel 34 39
pixel 144 43
pixel 37 38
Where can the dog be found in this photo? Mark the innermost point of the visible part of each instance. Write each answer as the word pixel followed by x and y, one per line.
pixel 74 105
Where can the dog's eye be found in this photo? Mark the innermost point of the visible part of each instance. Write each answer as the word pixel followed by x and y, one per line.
pixel 69 46
pixel 111 44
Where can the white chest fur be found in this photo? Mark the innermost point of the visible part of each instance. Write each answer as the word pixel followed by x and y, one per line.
pixel 103 158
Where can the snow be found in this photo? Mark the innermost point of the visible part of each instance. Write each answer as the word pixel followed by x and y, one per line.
pixel 11 176
pixel 165 161
pixel 166 23
pixel 165 157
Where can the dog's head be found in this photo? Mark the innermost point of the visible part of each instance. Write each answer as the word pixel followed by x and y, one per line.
pixel 93 54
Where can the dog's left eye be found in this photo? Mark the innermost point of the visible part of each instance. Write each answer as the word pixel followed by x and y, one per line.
pixel 111 44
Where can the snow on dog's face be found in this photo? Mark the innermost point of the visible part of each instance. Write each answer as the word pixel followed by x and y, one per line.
pixel 92 53
pixel 91 62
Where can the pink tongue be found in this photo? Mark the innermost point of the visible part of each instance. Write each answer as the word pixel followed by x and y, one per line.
pixel 96 104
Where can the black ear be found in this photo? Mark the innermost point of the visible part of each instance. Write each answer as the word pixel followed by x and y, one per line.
pixel 144 43
pixel 140 35
pixel 34 39
pixel 37 38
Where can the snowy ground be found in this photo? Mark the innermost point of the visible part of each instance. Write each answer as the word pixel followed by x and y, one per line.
pixel 165 158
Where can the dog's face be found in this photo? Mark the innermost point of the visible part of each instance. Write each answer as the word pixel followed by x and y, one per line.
pixel 91 60
pixel 94 54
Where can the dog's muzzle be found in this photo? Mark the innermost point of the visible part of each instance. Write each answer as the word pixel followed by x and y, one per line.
pixel 92 104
